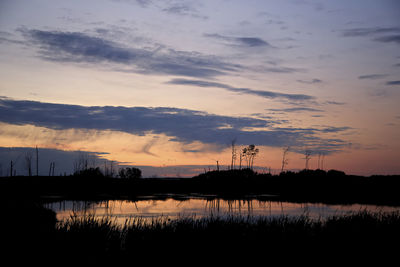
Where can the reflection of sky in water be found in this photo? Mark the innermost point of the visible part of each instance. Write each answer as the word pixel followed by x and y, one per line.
pixel 150 208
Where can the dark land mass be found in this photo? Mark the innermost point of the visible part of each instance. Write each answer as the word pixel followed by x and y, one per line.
pixel 331 187
pixel 29 232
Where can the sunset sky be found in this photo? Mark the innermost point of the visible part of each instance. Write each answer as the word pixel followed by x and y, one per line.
pixel 166 85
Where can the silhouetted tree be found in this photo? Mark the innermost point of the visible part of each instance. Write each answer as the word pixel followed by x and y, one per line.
pixel 90 173
pixel 11 168
pixel 37 161
pixel 28 163
pixel 307 155
pixel 249 153
pixel 284 159
pixel 130 173
pixel 233 162
pixel 51 170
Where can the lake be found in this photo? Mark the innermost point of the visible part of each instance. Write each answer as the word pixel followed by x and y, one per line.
pixel 149 207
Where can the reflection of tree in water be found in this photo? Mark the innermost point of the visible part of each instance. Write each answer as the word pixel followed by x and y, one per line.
pixel 230 207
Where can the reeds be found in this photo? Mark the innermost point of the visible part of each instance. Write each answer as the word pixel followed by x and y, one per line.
pixel 138 233
pixel 99 240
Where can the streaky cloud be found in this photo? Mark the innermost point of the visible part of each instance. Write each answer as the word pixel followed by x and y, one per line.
pixel 313 81
pixel 372 76
pixel 393 83
pixel 369 31
pixel 389 39
pixel 299 109
pixel 265 94
pixel 384 35
pixel 78 47
pixel 181 125
pixel 240 41
pixel 330 102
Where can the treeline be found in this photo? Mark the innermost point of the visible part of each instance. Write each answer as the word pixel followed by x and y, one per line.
pixel 124 173
pixel 331 186
pixel 304 186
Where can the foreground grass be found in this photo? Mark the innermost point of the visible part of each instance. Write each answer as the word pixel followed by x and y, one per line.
pixel 100 236
pixel 100 240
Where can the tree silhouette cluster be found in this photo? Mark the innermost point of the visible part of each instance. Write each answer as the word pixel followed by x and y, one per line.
pixel 130 173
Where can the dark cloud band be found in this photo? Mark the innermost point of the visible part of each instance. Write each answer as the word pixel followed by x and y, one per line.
pixel 181 125
pixel 81 48
pixel 265 94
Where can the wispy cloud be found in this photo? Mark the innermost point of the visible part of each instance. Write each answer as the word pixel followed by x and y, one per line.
pixel 180 8
pixel 183 9
pixel 330 102
pixel 372 76
pixel 393 83
pixel 369 31
pixel 78 47
pixel 300 109
pixel 240 41
pixel 181 125
pixel 385 35
pixel 265 94
pixel 389 39
pixel 313 81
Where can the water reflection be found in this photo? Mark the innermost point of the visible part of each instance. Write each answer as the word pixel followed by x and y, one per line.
pixel 148 208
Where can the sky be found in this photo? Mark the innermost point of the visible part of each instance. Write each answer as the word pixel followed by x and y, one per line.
pixel 169 85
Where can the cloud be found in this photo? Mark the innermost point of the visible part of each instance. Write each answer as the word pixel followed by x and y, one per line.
pixel 388 39
pixel 181 125
pixel 296 109
pixel 183 9
pixel 78 47
pixel 265 94
pixel 179 8
pixel 144 3
pixel 393 83
pixel 369 31
pixel 313 81
pixel 385 35
pixel 334 103
pixel 372 76
pixel 240 41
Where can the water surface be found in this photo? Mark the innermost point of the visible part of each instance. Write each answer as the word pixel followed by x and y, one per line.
pixel 150 207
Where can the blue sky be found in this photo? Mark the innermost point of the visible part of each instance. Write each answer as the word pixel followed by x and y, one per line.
pixel 165 83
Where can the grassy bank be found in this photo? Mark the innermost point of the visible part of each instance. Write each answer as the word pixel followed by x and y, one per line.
pixel 99 240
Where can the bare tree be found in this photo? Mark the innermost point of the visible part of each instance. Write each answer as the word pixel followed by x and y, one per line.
pixel 28 163
pixel 245 155
pixel 307 155
pixel 284 159
pixel 322 161
pixel 37 161
pixel 112 168
pixel 11 168
pixel 51 169
pixel 81 163
pixel 233 162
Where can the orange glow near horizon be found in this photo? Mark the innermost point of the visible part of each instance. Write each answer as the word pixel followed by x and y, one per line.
pixel 159 151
